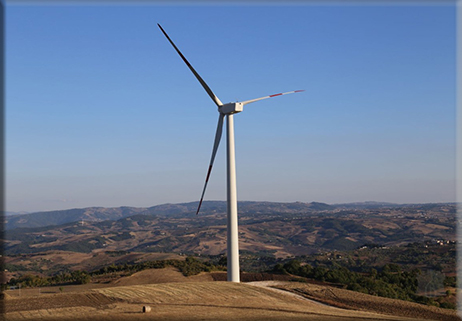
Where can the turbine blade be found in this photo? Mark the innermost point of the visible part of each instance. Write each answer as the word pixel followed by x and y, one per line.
pixel 214 152
pixel 270 96
pixel 207 89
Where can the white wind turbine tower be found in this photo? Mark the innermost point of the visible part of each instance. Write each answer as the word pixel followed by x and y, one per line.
pixel 228 110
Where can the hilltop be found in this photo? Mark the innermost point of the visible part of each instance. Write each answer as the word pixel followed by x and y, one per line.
pixel 199 298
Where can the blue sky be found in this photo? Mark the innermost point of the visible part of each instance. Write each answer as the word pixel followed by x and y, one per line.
pixel 101 111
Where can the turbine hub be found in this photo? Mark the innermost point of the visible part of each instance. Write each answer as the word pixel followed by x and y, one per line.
pixel 231 108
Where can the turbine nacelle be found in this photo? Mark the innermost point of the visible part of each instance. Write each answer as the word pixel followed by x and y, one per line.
pixel 231 108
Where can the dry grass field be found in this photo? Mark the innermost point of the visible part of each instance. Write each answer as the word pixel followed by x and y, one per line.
pixel 82 261
pixel 175 297
pixel 363 302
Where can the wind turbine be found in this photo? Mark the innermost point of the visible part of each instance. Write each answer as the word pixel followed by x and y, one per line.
pixel 227 110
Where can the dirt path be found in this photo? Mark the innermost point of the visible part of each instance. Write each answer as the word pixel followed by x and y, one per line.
pixel 270 285
pixel 206 300
pixel 181 301
pixel 347 299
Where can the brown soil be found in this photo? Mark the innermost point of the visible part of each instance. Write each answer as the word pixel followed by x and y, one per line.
pixel 196 298
pixel 54 301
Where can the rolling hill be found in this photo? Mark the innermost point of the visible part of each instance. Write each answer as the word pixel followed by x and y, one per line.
pixel 276 229
pixel 98 214
pixel 199 298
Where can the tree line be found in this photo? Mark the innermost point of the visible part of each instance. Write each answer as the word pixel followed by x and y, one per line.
pixel 190 266
pixel 391 281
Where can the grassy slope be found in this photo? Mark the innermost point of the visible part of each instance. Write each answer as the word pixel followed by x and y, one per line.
pixel 183 300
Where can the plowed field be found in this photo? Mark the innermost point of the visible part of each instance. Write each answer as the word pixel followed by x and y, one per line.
pixel 198 298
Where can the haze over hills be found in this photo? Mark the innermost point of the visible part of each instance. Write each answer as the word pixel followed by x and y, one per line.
pixel 98 214
pixel 342 242
pixel 16 213
pixel 280 229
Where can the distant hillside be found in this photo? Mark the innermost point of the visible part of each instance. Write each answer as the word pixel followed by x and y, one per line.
pixel 377 205
pixel 98 214
pixel 15 213
pixel 91 214
pixel 279 229
pixel 367 205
